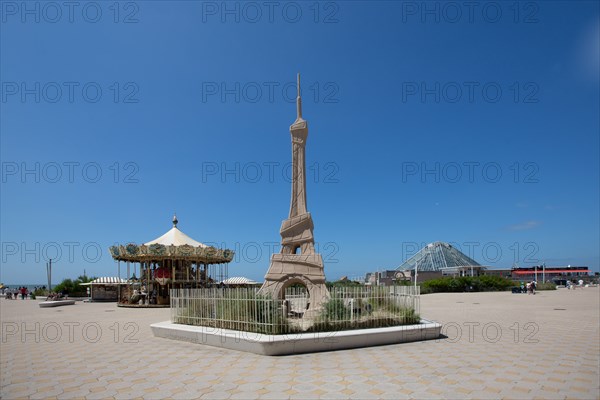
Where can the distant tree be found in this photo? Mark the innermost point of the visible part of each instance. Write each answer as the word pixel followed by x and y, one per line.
pixel 73 287
pixel 342 283
pixel 85 278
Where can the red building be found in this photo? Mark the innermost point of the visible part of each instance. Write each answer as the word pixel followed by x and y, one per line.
pixel 548 274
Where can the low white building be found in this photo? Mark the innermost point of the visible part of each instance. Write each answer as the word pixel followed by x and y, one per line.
pixel 105 288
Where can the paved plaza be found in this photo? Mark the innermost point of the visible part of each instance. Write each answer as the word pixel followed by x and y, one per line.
pixel 497 345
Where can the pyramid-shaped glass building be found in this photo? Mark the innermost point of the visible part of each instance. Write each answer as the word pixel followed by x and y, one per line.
pixel 438 256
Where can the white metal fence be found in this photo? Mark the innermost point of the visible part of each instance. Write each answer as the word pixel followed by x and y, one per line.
pixel 245 310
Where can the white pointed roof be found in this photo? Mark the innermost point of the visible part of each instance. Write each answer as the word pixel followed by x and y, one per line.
pixel 175 237
pixel 239 280
pixel 106 280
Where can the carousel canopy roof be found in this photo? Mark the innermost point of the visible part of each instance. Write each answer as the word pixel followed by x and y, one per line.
pixel 175 237
pixel 174 245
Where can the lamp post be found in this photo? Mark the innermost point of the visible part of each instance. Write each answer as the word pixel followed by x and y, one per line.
pixel 416 272
pixel 544 272
pixel 119 281
pixel 49 274
pixel 414 297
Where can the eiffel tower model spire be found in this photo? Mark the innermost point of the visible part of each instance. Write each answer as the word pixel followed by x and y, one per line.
pixel 298 263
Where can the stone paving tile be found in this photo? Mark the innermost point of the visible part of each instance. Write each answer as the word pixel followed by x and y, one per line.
pixel 482 394
pixel 467 364
pixel 334 395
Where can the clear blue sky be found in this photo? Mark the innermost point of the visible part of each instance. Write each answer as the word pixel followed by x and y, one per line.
pixel 477 126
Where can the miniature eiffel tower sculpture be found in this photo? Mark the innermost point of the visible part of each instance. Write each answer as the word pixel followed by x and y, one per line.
pixel 298 262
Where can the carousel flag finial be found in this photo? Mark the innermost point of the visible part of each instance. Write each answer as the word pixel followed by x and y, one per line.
pixel 175 221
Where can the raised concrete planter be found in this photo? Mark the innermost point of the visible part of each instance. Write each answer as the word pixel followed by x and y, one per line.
pixel 273 345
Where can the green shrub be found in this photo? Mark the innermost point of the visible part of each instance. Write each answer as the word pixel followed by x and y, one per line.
pixel 494 282
pixel 73 287
pixel 483 283
pixel 426 289
pixel 344 283
pixel 365 323
pixel 545 286
pixel 372 312
pixel 377 297
pixel 334 309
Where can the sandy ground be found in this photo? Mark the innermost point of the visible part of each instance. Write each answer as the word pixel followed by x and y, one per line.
pixel 497 345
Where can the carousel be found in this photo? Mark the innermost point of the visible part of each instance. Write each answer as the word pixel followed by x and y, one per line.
pixel 172 261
